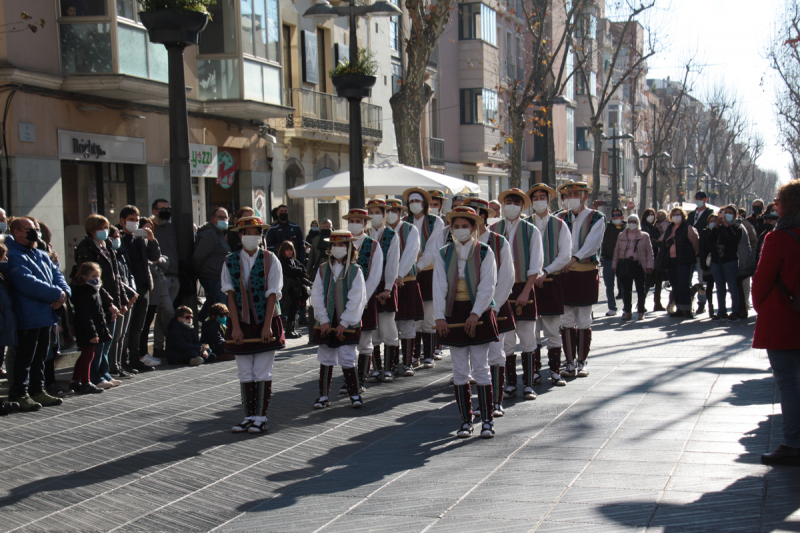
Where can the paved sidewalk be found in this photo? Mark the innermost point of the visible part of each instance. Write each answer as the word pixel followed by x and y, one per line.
pixel 664 435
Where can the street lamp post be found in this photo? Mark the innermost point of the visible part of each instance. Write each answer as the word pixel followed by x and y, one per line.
pixel 615 177
pixel 680 188
pixel 322 10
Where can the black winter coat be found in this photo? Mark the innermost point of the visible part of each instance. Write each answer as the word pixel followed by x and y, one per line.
pixel 138 251
pixel 181 340
pixel 610 239
pixel 112 290
pixel 724 244
pixel 90 318
pixel 211 333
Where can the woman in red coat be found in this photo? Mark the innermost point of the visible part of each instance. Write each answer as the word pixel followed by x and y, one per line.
pixel 778 276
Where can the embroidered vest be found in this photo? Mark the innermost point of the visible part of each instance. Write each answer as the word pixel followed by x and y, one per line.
pixel 386 242
pixel 336 290
pixel 520 246
pixel 588 223
pixel 472 272
pixel 365 255
pixel 405 231
pixel 427 230
pixel 550 236
pixel 496 244
pixel 250 299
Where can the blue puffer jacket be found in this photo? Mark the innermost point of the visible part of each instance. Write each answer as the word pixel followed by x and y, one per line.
pixel 35 283
pixel 8 322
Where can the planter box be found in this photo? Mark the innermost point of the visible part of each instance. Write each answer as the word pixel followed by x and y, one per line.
pixel 169 26
pixel 353 86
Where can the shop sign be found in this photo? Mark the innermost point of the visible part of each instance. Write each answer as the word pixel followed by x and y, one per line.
pixel 79 146
pixel 203 160
pixel 227 170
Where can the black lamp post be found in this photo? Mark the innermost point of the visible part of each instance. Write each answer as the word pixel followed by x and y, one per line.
pixel 615 176
pixel 354 88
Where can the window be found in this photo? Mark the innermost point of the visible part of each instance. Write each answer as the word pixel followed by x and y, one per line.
pixel 394 31
pixel 510 63
pixel 478 106
pixel 469 177
pixel 397 77
pixel 477 21
pixel 138 56
pixel 218 79
pixel 260 28
pixel 219 37
pixel 582 139
pixel 92 8
pixel 86 48
pixel 593 84
pixel 262 82
pixel 613 119
pixel 570 135
pixel 570 88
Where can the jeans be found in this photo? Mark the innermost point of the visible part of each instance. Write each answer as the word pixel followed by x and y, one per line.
pixel 31 352
pixel 100 367
pixel 627 291
pixel 786 369
pixel 608 279
pixel 115 354
pixel 680 278
pixel 166 311
pixel 725 275
pixel 138 314
pixel 214 295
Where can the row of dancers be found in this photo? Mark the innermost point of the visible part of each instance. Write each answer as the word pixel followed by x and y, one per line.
pixel 402 276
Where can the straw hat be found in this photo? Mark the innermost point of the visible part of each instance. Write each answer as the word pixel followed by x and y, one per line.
pixel 479 203
pixel 574 186
pixel 357 213
pixel 394 203
pixel 249 222
pixel 526 200
pixel 542 187
pixel 463 211
pixel 422 192
pixel 437 195
pixel 340 236
pixel 377 202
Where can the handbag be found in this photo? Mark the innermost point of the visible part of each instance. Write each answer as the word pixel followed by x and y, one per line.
pixel 794 297
pixel 626 267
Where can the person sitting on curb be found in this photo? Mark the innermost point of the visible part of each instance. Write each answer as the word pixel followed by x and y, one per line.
pixel 183 346
pixel 213 331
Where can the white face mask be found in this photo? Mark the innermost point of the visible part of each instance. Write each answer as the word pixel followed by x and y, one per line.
pixel 511 211
pixel 540 206
pixel 339 251
pixel 462 234
pixel 700 203
pixel 633 226
pixel 131 226
pixel 434 211
pixel 392 218
pixel 416 208
pixel 251 242
pixel 355 229
pixel 651 219
pixel 677 219
pixel 617 221
pixel 573 204
pixel 376 221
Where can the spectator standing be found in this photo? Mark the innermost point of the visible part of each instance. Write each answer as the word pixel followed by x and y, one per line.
pixel 633 247
pixel 756 218
pixel 38 290
pixel 283 230
pixel 770 221
pixel 747 264
pixel 234 240
pixel 8 323
pixel 724 242
pixel 294 287
pixel 183 344
pixel 313 232
pixel 683 244
pixel 128 298
pixel 159 298
pixel 319 249
pixel 138 250
pixel 775 284
pixel 91 330
pixel 3 229
pixel 613 230
pixel 699 217
pixel 3 221
pixel 50 383
pixel 705 263
pixel 167 236
pixel 657 277
pixel 210 250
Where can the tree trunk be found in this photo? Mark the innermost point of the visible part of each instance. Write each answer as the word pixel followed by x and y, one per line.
pixel 517 138
pixel 549 177
pixel 643 192
pixel 408 104
pixel 596 160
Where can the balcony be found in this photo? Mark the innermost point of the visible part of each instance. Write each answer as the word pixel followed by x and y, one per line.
pixel 433 152
pixel 320 115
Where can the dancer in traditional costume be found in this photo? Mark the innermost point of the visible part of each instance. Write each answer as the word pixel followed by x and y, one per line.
pixel 431 239
pixel 438 199
pixel 556 247
pixel 253 279
pixel 386 292
pixel 338 298
pixel 526 248
pixel 465 274
pixel 581 281
pixel 502 309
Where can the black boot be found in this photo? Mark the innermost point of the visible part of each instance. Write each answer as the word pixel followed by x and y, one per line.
pixel 487 417
pixel 377 367
pixel 528 366
pixel 364 359
pixel 408 357
pixel 417 353
pixel 511 376
pixel 325 379
pixel 249 392
pixel 464 402
pixel 498 373
pixel 291 333
pixel 263 394
pixel 351 380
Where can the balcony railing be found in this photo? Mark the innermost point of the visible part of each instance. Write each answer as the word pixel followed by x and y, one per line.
pixel 433 152
pixel 328 113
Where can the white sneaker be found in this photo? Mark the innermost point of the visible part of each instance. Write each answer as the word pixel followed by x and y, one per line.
pixel 149 360
pixel 557 380
pixel 388 377
pixel 196 361
pixel 115 383
pixel 374 377
pixel 103 385
pixel 582 372
pixel 611 312
pixel 569 370
pixel 428 363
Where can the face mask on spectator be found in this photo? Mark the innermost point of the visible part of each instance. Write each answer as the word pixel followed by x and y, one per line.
pixel 617 221
pixel 339 251
pixel 101 234
pixel 131 226
pixel 651 219
pixel 700 203
pixel 165 213
pixel 633 226
pixel 712 225
pixel 283 217
pixel 3 227
pixel 222 320
pixel 416 208
pixel 251 242
pixel 314 229
pixel 93 282
pixel 392 218
pixel 376 221
pixel 355 229
pixel 729 218
pixel 186 324
pixel 434 211
pixel 677 219
pixel 116 243
pixel 222 225
pixel 324 233
pixel 511 211
pixel 757 209
pixel 540 206
pixel 31 235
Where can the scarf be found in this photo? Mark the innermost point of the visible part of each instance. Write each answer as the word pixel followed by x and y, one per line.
pixel 550 240
pixel 472 271
pixel 250 296
pixel 403 231
pixel 336 291
pixel 520 247
pixel 789 221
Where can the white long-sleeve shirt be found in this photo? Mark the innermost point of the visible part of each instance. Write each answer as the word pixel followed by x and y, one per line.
pixel 391 263
pixel 356 298
pixel 535 246
pixel 505 273
pixel 274 280
pixel 564 244
pixel 593 241
pixel 486 285
pixel 376 269
pixel 434 243
pixel 408 256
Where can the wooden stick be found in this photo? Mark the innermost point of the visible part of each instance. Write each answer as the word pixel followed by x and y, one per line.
pixel 332 329
pixel 248 341
pixel 452 326
pixel 514 301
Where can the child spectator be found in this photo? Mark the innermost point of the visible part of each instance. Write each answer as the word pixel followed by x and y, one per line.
pixel 214 329
pixel 90 325
pixel 8 324
pixel 183 346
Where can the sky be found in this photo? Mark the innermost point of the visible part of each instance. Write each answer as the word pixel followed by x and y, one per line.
pixel 729 38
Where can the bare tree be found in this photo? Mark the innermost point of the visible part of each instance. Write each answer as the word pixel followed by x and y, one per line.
pixel 25 23
pixel 784 58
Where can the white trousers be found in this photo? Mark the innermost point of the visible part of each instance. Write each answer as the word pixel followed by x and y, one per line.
pixel 476 357
pixel 256 367
pixel 428 324
pixel 550 327
pixel 406 329
pixel 497 354
pixel 387 330
pixel 527 338
pixel 365 343
pixel 577 316
pixel 344 356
